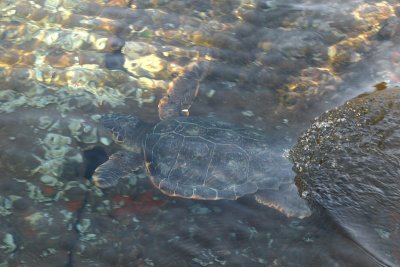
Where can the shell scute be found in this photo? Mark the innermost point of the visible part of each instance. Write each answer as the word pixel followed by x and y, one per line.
pixel 202 158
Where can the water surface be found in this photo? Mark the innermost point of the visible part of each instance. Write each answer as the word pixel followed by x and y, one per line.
pixel 275 66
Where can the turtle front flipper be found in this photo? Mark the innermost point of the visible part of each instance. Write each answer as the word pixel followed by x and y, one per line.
pixel 182 91
pixel 286 200
pixel 119 165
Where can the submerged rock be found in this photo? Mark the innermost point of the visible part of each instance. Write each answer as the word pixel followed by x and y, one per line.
pixel 348 163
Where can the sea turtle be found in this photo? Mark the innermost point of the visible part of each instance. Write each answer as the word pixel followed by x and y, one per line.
pixel 200 158
pixel 346 162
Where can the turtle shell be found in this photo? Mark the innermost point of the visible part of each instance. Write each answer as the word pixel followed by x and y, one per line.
pixel 348 162
pixel 203 158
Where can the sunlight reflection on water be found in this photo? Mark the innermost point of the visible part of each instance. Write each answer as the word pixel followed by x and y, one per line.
pixel 274 66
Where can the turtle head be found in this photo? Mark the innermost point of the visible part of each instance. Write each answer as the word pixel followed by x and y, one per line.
pixel 126 129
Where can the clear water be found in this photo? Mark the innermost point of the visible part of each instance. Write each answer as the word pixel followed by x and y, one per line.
pixel 276 65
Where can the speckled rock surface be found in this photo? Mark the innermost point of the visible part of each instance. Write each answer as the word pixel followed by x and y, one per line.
pixel 347 162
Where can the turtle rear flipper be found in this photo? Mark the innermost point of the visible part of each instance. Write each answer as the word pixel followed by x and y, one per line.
pixel 285 200
pixel 119 165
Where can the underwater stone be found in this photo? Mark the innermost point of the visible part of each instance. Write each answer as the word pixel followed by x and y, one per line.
pixel 9 243
pixel 211 93
pixel 34 192
pixel 132 180
pixel 84 225
pixel 56 152
pixel 199 210
pixel 75 126
pixel 5 206
pixel 53 139
pixel 34 218
pixel 100 43
pixel 74 40
pixel 145 66
pixel 77 157
pixel 52 4
pixel 95 117
pixel 152 83
pixel 90 137
pixel 11 101
pixel 87 128
pixel 248 113
pixel 54 126
pixel 105 141
pixel 143 96
pixel 45 122
pixel 51 167
pixel 347 163
pixel 49 180
pixel 48 252
pixel 135 50
pixel 48 37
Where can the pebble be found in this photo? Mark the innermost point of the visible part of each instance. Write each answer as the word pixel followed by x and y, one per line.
pixel 210 93
pixel 248 113
pixel 199 210
pixel 49 180
pixel 9 243
pixel 105 141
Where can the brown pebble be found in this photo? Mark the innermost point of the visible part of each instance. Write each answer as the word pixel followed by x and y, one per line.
pixel 38 14
pixel 21 205
pixel 9 58
pixel 110 255
pixel 67 241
